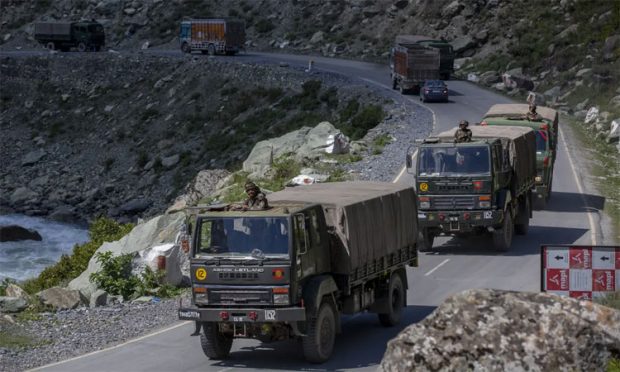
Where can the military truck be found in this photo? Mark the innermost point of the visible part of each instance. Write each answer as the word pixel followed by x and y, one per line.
pixel 411 65
pixel 83 35
pixel 290 271
pixel 212 36
pixel 546 129
pixel 475 187
pixel 446 52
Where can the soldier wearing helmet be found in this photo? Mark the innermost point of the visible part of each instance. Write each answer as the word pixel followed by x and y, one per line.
pixel 463 134
pixel 532 115
pixel 256 199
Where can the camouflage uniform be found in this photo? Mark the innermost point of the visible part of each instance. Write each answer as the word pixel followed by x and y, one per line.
pixel 258 201
pixel 532 115
pixel 463 134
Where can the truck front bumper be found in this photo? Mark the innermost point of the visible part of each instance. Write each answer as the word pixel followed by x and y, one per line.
pixel 459 221
pixel 287 314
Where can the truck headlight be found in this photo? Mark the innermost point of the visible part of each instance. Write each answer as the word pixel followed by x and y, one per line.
pixel 425 205
pixel 538 179
pixel 201 298
pixel 280 299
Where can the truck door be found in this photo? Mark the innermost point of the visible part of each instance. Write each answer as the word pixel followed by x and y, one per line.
pixel 311 259
pixel 185 31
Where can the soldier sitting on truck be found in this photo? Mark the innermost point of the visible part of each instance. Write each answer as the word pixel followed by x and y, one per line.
pixel 532 115
pixel 256 200
pixel 463 134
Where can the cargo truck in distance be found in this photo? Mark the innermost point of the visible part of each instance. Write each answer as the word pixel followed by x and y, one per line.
pixel 446 52
pixel 475 187
pixel 83 35
pixel 411 65
pixel 290 271
pixel 546 128
pixel 212 36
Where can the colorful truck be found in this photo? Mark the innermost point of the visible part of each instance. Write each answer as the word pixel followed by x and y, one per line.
pixel 290 271
pixel 212 36
pixel 546 129
pixel 411 65
pixel 446 52
pixel 83 35
pixel 475 187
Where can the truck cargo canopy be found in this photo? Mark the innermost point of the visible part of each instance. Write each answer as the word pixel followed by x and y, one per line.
pixel 372 219
pixel 519 109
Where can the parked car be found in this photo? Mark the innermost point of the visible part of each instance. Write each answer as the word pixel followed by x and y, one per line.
pixel 434 90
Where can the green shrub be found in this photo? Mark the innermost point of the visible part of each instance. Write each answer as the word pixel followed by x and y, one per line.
pixel 611 300
pixel 115 276
pixel 5 283
pixel 349 110
pixel 70 267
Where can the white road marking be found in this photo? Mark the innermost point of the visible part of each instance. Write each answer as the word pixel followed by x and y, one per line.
pixel 579 187
pixel 112 347
pixel 437 267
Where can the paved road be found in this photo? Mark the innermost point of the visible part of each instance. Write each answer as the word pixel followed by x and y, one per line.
pixel 456 264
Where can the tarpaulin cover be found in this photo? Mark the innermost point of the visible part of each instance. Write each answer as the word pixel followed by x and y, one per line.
pixel 52 28
pixel 520 142
pixel 372 219
pixel 520 109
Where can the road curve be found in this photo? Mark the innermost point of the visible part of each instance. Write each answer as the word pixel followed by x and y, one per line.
pixel 455 266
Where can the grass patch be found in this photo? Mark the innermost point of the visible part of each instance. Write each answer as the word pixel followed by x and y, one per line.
pixel 379 143
pixel 611 300
pixel 11 340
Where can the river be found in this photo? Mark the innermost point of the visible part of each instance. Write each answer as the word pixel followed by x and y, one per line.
pixel 26 259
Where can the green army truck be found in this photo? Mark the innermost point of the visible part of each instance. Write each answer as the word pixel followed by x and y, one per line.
pixel 475 187
pixel 83 35
pixel 546 128
pixel 446 52
pixel 291 270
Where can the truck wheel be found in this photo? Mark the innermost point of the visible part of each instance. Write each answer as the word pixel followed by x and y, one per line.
pixel 394 84
pixel 522 227
pixel 318 345
pixel 396 300
pixel 185 48
pixel 50 45
pixel 211 49
pixel 401 89
pixel 214 344
pixel 425 241
pixel 82 47
pixel 502 238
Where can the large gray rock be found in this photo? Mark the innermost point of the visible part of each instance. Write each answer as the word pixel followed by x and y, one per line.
pixel 614 131
pixel 302 143
pixel 23 195
pixel 158 230
pixel 516 80
pixel 13 290
pixel 201 187
pixel 492 330
pixel 612 43
pixel 12 304
pixel 462 44
pixel 33 157
pixel 13 233
pixel 135 206
pixel 60 298
pixel 98 298
pixel 490 77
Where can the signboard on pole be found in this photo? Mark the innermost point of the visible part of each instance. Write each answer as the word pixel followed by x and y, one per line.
pixel 580 271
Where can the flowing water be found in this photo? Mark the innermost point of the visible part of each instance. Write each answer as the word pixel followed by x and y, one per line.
pixel 26 259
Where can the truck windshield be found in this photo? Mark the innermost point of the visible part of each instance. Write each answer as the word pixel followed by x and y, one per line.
pixel 95 28
pixel 453 160
pixel 243 236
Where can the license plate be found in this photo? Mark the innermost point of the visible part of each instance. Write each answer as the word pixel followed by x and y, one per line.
pixel 189 314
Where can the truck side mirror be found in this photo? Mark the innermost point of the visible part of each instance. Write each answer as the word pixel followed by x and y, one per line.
pixel 409 160
pixel 301 233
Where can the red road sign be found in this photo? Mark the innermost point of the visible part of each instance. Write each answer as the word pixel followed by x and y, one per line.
pixel 580 271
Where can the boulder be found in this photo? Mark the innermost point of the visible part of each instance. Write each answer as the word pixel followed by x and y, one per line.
pixel 592 115
pixel 583 73
pixel 614 131
pixel 515 80
pixel 60 298
pixel 317 37
pixel 371 11
pixel 451 9
pixel 13 233
pixel 615 101
pixel 64 213
pixel 98 298
pixel 201 187
pixel 462 44
pixel 493 330
pixel 12 304
pixel 612 43
pixel 400 4
pixel 553 93
pixel 156 231
pixel 135 206
pixel 170 161
pixel 301 144
pixel 23 195
pixel 489 78
pixel 13 290
pixel 33 157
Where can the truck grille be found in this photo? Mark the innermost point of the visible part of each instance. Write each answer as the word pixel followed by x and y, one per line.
pixel 238 276
pixel 233 297
pixel 453 202
pixel 454 187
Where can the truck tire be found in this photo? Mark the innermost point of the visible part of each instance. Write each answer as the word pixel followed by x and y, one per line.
pixel 394 84
pixel 81 47
pixel 523 218
pixel 425 240
pixel 502 238
pixel 318 344
pixel 402 90
pixel 211 49
pixel 396 301
pixel 214 344
pixel 185 48
pixel 50 46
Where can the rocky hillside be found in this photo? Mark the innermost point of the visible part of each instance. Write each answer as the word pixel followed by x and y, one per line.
pixel 120 135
